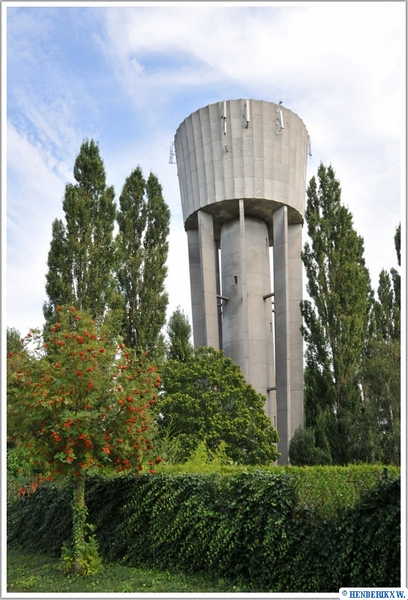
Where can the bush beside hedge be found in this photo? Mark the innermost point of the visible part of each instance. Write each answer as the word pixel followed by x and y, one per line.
pixel 258 527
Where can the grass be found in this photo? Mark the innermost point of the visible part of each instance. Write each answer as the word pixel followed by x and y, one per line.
pixel 39 573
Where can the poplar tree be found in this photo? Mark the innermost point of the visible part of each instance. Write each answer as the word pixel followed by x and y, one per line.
pixel 335 318
pixel 179 333
pixel 81 260
pixel 144 225
pixel 381 431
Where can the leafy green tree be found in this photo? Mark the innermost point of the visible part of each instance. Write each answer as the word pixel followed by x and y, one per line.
pixel 206 399
pixel 380 439
pixel 14 343
pixel 14 347
pixel 144 225
pixel 81 260
pixel 80 403
pixel 335 317
pixel 303 449
pixel 381 432
pixel 179 334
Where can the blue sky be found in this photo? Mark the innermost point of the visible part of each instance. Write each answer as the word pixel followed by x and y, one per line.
pixel 128 74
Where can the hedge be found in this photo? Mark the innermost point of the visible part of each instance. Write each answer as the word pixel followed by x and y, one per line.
pixel 265 529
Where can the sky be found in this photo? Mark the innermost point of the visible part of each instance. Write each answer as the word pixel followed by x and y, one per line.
pixel 127 74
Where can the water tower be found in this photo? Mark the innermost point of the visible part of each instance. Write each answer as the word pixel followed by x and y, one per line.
pixel 242 173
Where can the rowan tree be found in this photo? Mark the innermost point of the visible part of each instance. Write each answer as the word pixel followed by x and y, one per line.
pixel 80 402
pixel 335 318
pixel 144 224
pixel 206 399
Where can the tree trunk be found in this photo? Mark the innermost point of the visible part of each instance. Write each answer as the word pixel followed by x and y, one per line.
pixel 79 514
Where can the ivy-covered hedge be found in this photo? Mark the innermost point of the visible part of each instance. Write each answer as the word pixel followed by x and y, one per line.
pixel 263 528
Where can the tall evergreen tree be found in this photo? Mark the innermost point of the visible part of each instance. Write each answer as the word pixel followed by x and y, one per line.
pixel 144 225
pixel 81 260
pixel 336 317
pixel 179 333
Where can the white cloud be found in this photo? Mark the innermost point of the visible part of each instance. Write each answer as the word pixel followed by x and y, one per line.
pixel 35 191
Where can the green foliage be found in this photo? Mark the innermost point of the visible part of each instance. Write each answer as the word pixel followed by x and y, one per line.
pixel 41 521
pixel 144 225
pixel 179 333
pixel 18 462
pixel 380 438
pixel 14 343
pixel 206 399
pixel 90 561
pixel 380 373
pixel 330 490
pixel 303 449
pixel 19 471
pixel 352 373
pixel 202 460
pixel 374 532
pixel 336 317
pixel 91 269
pixel 81 260
pixel 320 527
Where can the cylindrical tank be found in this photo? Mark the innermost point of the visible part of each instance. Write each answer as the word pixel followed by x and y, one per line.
pixel 221 157
pixel 242 173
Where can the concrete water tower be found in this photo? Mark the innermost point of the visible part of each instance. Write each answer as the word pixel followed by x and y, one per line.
pixel 242 173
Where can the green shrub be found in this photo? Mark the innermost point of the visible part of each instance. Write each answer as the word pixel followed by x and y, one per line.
pixel 311 529
pixel 303 449
pixel 91 562
pixel 41 521
pixel 328 490
pixel 373 533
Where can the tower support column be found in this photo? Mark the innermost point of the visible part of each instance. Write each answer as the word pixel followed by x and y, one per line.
pixel 296 320
pixel 196 288
pixel 282 328
pixel 203 259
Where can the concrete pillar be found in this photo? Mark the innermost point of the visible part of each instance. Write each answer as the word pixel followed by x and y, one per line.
pixel 234 322
pixel 197 296
pixel 282 335
pixel 295 318
pixel 209 270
